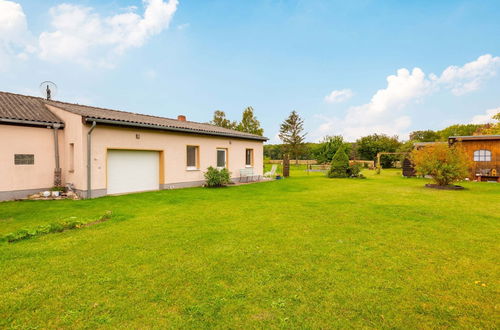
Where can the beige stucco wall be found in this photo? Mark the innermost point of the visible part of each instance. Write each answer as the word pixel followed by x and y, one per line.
pixel 26 140
pixel 40 142
pixel 74 132
pixel 173 147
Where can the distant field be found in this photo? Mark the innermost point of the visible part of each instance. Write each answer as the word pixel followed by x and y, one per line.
pixel 304 252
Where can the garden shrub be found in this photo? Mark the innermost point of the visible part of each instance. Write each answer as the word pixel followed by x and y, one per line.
pixel 354 171
pixel 340 165
pixel 217 178
pixel 443 163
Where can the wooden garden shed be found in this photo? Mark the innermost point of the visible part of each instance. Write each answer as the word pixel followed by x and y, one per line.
pixel 484 152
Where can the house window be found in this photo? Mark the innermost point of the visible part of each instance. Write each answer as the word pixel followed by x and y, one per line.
pixel 221 158
pixel 72 157
pixel 24 159
pixel 249 157
pixel 482 156
pixel 193 155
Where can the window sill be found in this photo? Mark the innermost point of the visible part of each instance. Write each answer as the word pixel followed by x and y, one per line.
pixel 249 166
pixel 192 169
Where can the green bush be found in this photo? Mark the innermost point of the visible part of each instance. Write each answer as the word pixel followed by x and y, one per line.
pixel 340 165
pixel 444 164
pixel 217 178
pixel 354 171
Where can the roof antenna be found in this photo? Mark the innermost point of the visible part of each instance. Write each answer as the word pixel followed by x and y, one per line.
pixel 48 89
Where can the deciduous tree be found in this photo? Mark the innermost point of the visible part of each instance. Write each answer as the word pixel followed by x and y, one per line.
pixel 443 163
pixel 249 123
pixel 220 120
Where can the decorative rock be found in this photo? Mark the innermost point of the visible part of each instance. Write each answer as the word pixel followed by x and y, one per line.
pixel 46 194
pixel 34 196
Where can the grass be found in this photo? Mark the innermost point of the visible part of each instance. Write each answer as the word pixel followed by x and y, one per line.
pixel 305 252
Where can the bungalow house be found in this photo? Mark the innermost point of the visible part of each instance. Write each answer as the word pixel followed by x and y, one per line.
pixel 484 153
pixel 46 143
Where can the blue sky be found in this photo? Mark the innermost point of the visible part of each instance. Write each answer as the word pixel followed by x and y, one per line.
pixel 329 60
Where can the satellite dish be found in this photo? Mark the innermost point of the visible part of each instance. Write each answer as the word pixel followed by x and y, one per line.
pixel 48 90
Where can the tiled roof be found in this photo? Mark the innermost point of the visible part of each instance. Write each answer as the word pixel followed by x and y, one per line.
pixel 154 121
pixel 25 108
pixel 115 116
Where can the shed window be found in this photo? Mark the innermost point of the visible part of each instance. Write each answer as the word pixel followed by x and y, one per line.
pixel 192 157
pixel 24 159
pixel 249 157
pixel 221 158
pixel 482 156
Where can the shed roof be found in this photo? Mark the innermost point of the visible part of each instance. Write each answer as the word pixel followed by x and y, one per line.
pixel 475 137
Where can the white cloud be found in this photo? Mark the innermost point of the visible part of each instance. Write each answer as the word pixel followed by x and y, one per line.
pixel 14 34
pixel 385 111
pixel 338 96
pixel 83 36
pixel 486 117
pixel 183 26
pixel 469 77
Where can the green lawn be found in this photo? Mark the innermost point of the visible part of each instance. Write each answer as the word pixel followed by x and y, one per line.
pixel 305 252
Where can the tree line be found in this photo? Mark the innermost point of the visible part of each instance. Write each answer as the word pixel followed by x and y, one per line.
pixel 293 136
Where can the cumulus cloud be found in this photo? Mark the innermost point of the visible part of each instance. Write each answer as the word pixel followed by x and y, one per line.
pixel 338 96
pixel 82 35
pixel 486 117
pixel 14 34
pixel 468 78
pixel 385 111
pixel 79 34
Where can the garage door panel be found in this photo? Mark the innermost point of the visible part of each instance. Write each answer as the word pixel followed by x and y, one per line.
pixel 132 171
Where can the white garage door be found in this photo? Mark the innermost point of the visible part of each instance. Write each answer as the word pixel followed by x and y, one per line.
pixel 131 170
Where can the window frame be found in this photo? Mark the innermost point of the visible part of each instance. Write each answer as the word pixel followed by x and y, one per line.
pixel 226 158
pixel 251 157
pixel 71 158
pixel 196 156
pixel 482 155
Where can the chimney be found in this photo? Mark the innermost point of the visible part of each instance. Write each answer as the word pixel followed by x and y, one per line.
pixel 181 118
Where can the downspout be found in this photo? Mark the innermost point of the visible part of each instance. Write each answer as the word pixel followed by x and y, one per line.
pixel 89 160
pixel 57 171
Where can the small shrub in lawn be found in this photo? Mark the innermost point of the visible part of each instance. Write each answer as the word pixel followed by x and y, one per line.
pixel 443 163
pixel 340 165
pixel 217 178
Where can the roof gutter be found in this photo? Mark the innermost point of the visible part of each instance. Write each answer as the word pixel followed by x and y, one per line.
pixel 172 129
pixel 89 160
pixel 30 123
pixel 57 170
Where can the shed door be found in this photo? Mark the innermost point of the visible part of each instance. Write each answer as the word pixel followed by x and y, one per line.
pixel 133 170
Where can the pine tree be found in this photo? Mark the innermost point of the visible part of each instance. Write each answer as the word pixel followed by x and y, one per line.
pixel 249 123
pixel 291 134
pixel 340 165
pixel 220 120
